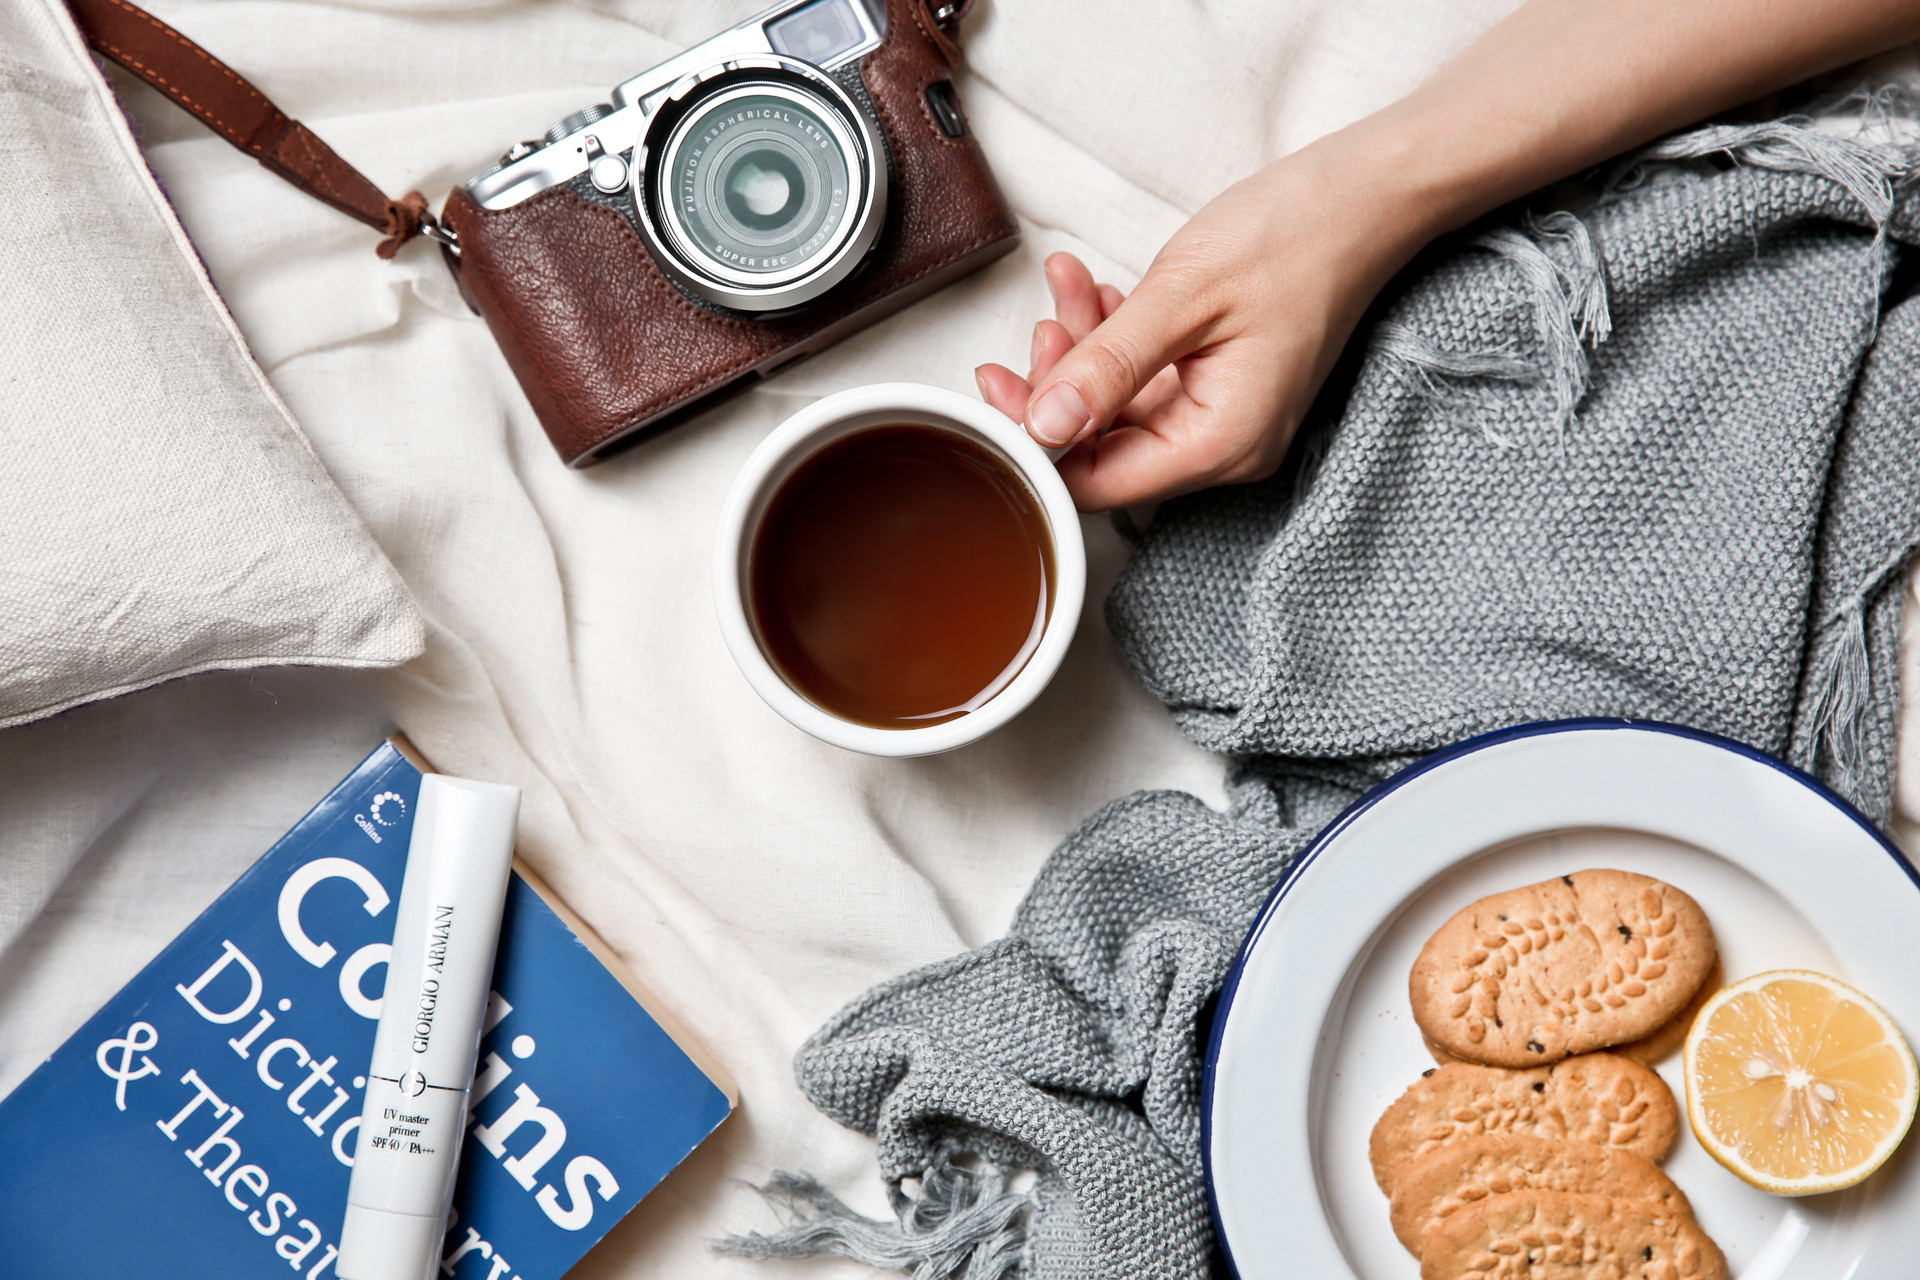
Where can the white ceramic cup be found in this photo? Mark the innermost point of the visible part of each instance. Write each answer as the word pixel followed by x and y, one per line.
pixel 803 435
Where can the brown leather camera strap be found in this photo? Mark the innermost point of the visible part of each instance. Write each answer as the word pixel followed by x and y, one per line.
pixel 218 96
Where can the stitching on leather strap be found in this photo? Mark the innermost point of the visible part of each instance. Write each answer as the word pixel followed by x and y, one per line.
pixel 230 131
pixel 175 92
pixel 267 136
pixel 313 167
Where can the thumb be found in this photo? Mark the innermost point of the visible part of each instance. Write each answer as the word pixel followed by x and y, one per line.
pixel 1104 371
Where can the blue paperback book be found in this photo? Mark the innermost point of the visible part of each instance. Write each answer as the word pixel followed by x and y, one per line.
pixel 203 1124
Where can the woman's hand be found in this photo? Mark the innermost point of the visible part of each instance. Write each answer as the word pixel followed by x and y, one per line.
pixel 1202 374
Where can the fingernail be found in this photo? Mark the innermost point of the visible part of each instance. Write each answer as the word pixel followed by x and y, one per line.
pixel 980 381
pixel 1059 415
pixel 1033 356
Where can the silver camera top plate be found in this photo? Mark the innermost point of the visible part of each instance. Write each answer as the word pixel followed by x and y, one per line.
pixel 827 33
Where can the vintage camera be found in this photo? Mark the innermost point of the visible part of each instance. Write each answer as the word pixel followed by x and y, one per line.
pixel 726 213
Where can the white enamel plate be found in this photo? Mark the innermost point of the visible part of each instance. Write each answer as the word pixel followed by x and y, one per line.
pixel 1314 1034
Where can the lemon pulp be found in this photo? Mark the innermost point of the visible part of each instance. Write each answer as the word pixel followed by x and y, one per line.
pixel 1798 1083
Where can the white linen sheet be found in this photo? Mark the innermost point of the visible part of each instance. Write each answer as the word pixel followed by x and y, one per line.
pixel 754 878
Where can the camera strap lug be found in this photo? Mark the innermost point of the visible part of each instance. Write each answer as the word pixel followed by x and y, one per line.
pixel 947 13
pixel 439 232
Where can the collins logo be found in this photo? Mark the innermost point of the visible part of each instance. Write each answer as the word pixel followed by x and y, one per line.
pixel 387 808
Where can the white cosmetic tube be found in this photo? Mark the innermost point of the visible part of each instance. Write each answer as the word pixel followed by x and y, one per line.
pixel 438 976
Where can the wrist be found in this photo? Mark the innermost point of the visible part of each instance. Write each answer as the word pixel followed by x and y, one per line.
pixel 1419 183
pixel 1376 197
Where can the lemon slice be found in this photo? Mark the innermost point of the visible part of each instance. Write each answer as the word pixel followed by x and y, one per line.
pixel 1798 1083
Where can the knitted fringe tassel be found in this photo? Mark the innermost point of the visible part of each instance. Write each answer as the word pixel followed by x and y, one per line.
pixel 1841 680
pixel 1569 315
pixel 1567 286
pixel 1790 145
pixel 964 1225
pixel 1570 302
pixel 1866 171
pixel 1842 677
pixel 1429 364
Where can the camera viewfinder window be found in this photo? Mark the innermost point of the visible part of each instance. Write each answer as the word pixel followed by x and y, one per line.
pixel 817 32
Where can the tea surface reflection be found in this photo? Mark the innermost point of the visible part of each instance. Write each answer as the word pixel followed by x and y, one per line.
pixel 901 576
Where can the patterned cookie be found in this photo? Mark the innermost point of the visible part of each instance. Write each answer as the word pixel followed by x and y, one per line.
pixel 1440 1055
pixel 1599 1098
pixel 1457 1174
pixel 1665 1040
pixel 1559 1235
pixel 1565 966
pixel 1671 1036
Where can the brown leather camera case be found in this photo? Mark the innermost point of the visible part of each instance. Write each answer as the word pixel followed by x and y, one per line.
pixel 606 347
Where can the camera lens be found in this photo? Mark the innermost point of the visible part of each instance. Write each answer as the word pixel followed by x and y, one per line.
pixel 766 191
pixel 759 183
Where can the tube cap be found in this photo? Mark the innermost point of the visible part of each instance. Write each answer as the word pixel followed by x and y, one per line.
pixel 378 1245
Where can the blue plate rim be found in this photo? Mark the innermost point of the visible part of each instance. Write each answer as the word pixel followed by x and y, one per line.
pixel 1379 791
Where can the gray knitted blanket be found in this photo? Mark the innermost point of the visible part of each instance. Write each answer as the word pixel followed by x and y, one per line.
pixel 1657 456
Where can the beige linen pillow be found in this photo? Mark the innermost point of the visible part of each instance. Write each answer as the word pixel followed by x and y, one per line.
pixel 160 513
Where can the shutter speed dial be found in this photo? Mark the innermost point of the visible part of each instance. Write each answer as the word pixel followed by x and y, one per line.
pixel 578 121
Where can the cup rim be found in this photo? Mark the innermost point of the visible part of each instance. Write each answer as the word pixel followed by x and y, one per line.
pixel 812 428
